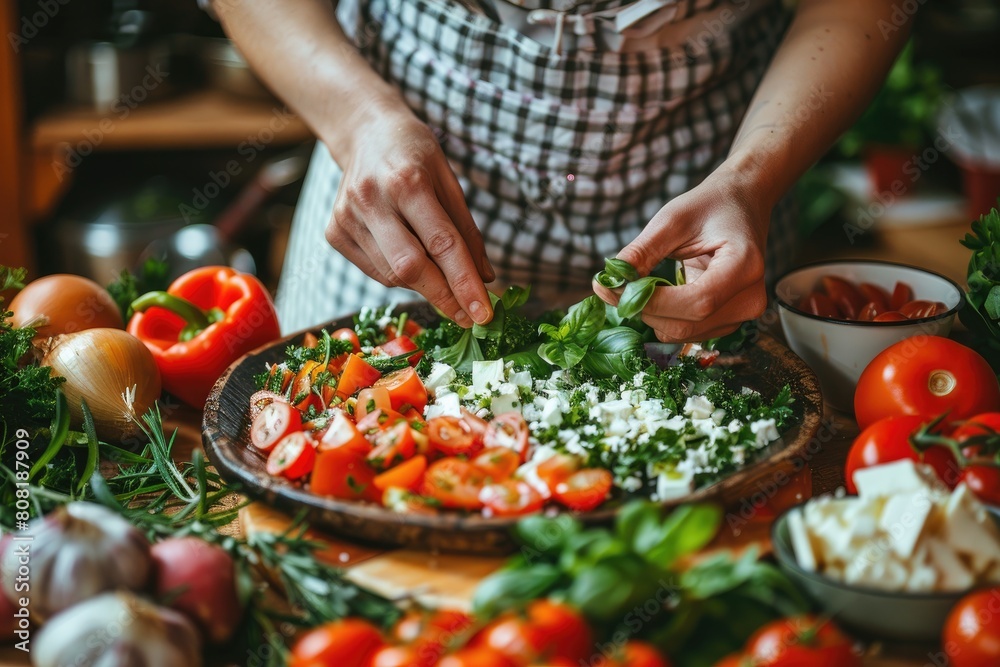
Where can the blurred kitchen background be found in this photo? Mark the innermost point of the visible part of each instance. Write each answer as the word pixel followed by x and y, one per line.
pixel 133 128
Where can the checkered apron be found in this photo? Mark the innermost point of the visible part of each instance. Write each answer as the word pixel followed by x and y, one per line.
pixel 563 155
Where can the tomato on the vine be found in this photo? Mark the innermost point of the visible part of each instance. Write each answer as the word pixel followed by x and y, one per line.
pixel 984 481
pixel 888 440
pixel 348 643
pixel 972 631
pixel 985 425
pixel 801 640
pixel 927 376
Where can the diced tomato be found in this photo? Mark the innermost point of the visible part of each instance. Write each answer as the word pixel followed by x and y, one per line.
pixel 415 417
pixel 402 345
pixel 876 295
pixel 302 395
pixel 511 498
pixel 917 309
pixel 343 472
pixel 357 374
pixel 391 447
pixel 508 430
pixel 407 475
pixel 900 295
pixel 348 335
pixel 869 312
pixel 584 490
pixel 405 388
pixel 452 436
pixel 343 433
pixel 497 463
pixel 369 400
pixel 454 483
pixel 274 422
pixel 292 457
pixel 379 421
pixel 410 328
pixel 310 340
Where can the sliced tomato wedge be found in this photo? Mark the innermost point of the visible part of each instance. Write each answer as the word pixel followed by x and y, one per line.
pixel 407 475
pixel 584 490
pixel 379 421
pixel 357 374
pixel 343 433
pixel 508 430
pixel 405 388
pixel 901 294
pixel 302 395
pixel 917 309
pixel 476 424
pixel 497 463
pixel 556 469
pixel 293 457
pixel 343 472
pixel 890 316
pixel 391 447
pixel 848 298
pixel 276 420
pixel 510 498
pixel 261 399
pixel 402 345
pixel 370 400
pixel 454 483
pixel 819 304
pixel 452 436
pixel 876 295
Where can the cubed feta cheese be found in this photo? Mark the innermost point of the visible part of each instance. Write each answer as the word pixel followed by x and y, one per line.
pixel 698 407
pixel 508 401
pixel 953 574
pixel 800 541
pixel 890 479
pixel 520 379
pixel 552 412
pixel 448 405
pixel 903 519
pixel 765 430
pixel 487 375
pixel 441 375
pixel 671 484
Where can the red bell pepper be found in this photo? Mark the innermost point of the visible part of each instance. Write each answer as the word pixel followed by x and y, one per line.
pixel 207 319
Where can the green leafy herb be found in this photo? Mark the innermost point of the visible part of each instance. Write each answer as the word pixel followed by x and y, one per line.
pixel 153 276
pixel 982 312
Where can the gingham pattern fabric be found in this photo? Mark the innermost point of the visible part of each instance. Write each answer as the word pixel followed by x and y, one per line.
pixel 563 158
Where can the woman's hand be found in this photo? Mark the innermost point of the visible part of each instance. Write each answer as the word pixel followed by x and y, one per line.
pixel 719 231
pixel 401 217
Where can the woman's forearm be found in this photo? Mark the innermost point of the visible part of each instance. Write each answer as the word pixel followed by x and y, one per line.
pixel 302 53
pixel 831 63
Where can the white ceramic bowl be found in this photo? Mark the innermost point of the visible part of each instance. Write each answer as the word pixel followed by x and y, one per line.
pixel 838 350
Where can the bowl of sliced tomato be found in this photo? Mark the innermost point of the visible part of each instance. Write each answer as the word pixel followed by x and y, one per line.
pixel 838 315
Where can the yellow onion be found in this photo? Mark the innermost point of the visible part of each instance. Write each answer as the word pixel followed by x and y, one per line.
pixel 64 303
pixel 99 366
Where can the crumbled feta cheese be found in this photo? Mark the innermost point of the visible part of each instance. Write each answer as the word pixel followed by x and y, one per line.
pixel 765 430
pixel 441 375
pixel 486 375
pixel 552 412
pixel 520 379
pixel 447 405
pixel 698 407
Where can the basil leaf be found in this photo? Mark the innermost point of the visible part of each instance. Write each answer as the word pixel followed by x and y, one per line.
pixel 686 530
pixel 610 351
pixel 530 361
pixel 585 320
pixel 635 297
pixel 564 354
pixel 992 304
pixel 515 296
pixel 620 268
pixel 547 535
pixel 600 592
pixel 513 588
pixel 494 328
pixel 461 355
pixel 606 280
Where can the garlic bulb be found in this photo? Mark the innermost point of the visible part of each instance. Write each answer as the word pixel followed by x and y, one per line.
pixel 99 364
pixel 77 551
pixel 117 630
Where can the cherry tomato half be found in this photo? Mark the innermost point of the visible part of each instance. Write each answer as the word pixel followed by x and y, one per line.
pixel 454 483
pixel 928 376
pixel 276 420
pixel 293 457
pixel 497 463
pixel 508 430
pixel 370 400
pixel 405 388
pixel 452 436
pixel 901 294
pixel 510 497
pixel 392 446
pixel 347 643
pixel 848 298
pixel 584 490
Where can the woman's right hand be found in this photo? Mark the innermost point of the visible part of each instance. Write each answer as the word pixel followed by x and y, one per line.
pixel 401 217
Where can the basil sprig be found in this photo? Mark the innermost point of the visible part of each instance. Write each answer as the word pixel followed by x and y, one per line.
pixel 638 291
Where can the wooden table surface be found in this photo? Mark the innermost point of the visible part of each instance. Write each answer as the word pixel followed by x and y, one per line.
pixel 442 579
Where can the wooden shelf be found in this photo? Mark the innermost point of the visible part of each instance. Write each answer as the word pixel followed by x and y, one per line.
pixel 203 119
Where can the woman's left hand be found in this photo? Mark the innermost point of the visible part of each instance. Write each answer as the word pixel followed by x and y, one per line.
pixel 719 231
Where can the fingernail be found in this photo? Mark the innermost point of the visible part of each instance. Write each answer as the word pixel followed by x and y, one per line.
pixel 478 312
pixel 462 320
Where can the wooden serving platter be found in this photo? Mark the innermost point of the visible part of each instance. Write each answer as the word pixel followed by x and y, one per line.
pixel 766 366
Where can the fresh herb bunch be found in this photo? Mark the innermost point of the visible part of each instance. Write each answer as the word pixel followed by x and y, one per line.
pixel 153 276
pixel 982 312
pixel 706 610
pixel 638 290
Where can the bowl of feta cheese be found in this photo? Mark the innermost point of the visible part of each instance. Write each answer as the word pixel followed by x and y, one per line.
pixel 891 562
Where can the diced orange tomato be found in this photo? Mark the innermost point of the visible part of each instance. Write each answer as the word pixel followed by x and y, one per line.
pixel 302 385
pixel 391 447
pixel 405 388
pixel 343 433
pixel 369 400
pixel 407 475
pixel 357 374
pixel 343 472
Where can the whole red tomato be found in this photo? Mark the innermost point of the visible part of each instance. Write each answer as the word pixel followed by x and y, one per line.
pixel 641 654
pixel 801 640
pixel 889 440
pixel 985 425
pixel 971 635
pixel 928 376
pixel 546 629
pixel 477 656
pixel 347 643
